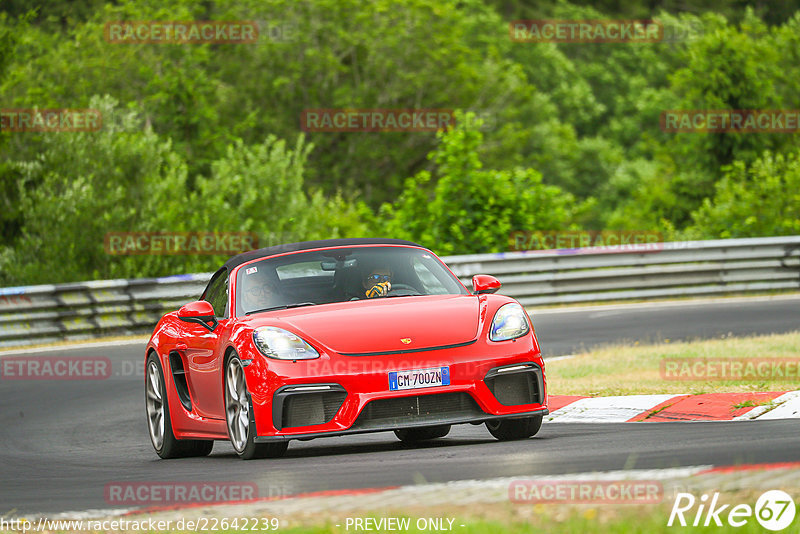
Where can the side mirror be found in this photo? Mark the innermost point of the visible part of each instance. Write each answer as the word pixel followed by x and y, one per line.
pixel 483 283
pixel 199 312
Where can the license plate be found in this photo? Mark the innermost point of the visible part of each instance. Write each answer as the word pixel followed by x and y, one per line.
pixel 419 378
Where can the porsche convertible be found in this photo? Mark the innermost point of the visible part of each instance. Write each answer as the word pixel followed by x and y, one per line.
pixel 335 337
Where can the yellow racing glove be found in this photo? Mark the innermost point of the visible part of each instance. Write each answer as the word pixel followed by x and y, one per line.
pixel 379 290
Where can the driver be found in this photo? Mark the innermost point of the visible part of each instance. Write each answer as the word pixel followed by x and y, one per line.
pixel 378 282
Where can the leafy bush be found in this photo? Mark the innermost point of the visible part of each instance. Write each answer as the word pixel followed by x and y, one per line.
pixel 762 199
pixel 125 178
pixel 471 210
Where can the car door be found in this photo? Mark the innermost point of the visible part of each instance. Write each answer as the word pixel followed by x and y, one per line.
pixel 204 352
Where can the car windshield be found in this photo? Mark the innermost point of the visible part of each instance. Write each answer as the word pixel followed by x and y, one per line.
pixel 341 275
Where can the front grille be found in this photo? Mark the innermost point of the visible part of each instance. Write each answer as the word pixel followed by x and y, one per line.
pixel 438 408
pixel 515 388
pixel 311 408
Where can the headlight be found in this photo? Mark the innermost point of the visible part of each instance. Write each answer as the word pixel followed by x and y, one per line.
pixel 282 345
pixel 509 322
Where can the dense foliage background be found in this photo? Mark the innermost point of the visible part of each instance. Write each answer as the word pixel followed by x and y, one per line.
pixel 207 137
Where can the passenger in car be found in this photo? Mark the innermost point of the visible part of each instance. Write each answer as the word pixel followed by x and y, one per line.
pixel 260 294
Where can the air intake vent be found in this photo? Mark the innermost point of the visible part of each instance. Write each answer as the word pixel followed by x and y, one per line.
pixel 440 408
pixel 311 408
pixel 179 379
pixel 518 386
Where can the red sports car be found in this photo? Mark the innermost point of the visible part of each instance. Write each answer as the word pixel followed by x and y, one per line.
pixel 336 337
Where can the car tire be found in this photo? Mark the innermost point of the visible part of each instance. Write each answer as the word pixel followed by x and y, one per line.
pixel 238 408
pixel 413 435
pixel 159 421
pixel 511 429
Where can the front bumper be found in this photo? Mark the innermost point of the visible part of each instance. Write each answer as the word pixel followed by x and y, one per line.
pixel 313 435
pixel 344 395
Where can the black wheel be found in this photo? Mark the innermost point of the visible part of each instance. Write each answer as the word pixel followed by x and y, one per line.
pixel 510 429
pixel 159 421
pixel 413 435
pixel 241 428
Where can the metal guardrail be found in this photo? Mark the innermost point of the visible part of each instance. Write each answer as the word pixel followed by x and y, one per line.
pixel 40 314
pixel 677 269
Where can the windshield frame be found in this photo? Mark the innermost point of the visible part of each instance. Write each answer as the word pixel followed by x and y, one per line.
pixel 238 273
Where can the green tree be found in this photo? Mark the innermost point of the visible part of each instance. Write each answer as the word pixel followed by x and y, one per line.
pixel 756 200
pixel 126 178
pixel 82 185
pixel 311 54
pixel 260 188
pixel 732 68
pixel 469 209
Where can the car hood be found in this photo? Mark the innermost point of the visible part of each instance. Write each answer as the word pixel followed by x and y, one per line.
pixel 389 324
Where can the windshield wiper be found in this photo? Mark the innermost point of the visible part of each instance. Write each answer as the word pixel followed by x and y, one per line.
pixel 283 307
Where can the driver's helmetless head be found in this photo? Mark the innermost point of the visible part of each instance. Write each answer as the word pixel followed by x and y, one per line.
pixel 377 276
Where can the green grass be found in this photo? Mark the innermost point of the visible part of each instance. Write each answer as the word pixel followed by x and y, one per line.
pixel 540 518
pixel 555 519
pixel 573 525
pixel 635 369
pixel 745 404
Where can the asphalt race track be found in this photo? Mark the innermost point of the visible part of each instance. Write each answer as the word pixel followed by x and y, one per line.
pixel 566 331
pixel 63 441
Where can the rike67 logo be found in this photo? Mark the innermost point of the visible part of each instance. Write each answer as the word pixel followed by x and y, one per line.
pixel 774 510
